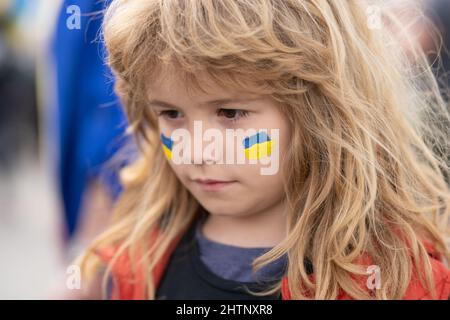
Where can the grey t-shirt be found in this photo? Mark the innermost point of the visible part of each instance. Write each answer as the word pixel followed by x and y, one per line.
pixel 235 263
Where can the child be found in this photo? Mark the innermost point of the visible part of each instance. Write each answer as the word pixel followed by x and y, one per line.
pixel 358 205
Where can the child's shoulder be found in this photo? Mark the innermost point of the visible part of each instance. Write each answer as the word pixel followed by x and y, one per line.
pixel 416 290
pixel 126 289
pixel 441 278
pixel 129 279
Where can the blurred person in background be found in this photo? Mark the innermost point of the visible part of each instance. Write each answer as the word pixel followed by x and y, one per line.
pixel 86 123
pixel 18 115
pixel 74 125
pixel 428 23
pixel 28 239
pixel 436 38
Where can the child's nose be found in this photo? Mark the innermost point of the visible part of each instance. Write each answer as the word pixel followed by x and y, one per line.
pixel 205 149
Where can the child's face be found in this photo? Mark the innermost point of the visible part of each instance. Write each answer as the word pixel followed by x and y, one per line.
pixel 228 188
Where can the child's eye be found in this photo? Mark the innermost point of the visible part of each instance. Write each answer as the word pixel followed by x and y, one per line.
pixel 232 114
pixel 170 114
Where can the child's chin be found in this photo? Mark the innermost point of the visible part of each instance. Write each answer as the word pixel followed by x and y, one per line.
pixel 224 210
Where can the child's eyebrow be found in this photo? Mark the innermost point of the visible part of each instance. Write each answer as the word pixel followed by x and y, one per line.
pixel 215 102
pixel 163 104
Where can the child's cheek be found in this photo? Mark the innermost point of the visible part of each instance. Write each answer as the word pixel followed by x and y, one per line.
pixel 257 146
pixel 167 145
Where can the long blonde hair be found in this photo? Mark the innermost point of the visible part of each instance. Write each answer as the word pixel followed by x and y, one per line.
pixel 366 117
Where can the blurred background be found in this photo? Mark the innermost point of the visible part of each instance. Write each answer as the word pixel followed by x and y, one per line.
pixel 61 127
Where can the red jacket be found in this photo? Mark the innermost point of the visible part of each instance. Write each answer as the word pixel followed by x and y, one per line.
pixel 129 286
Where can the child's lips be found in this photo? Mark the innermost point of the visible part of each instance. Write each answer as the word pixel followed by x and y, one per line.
pixel 213 185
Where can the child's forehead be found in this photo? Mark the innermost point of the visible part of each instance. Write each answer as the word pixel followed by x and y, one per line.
pixel 172 86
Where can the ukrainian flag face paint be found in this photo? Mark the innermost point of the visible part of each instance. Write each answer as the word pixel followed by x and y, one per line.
pixel 257 146
pixel 167 146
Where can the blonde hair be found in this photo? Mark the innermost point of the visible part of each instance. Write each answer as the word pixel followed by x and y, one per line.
pixel 363 178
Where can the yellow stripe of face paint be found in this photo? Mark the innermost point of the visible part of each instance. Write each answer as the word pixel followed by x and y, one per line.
pixel 259 150
pixel 167 152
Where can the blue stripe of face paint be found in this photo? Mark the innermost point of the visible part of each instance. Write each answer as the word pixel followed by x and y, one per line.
pixel 260 137
pixel 167 141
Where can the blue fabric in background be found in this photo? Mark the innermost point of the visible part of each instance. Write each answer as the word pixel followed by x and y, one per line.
pixel 89 122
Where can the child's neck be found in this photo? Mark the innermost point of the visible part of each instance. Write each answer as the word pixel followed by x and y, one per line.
pixel 262 229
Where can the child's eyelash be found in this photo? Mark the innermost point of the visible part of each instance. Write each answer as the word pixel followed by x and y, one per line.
pixel 171 114
pixel 230 114
pixel 235 114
